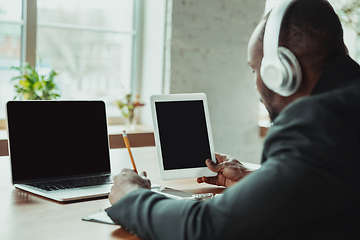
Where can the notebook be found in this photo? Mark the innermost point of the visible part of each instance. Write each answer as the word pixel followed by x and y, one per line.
pixel 59 149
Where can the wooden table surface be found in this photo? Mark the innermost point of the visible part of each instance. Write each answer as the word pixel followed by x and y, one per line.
pixel 27 216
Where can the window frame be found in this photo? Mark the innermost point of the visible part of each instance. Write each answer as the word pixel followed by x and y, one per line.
pixel 29 26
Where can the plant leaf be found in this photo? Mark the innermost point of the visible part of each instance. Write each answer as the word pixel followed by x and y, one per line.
pixel 24 83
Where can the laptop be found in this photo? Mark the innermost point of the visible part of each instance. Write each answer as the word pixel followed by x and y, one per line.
pixel 59 149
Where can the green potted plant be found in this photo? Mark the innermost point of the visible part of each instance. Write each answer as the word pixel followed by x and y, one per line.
pixel 128 109
pixel 31 86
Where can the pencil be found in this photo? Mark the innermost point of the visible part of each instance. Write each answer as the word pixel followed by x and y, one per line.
pixel 127 144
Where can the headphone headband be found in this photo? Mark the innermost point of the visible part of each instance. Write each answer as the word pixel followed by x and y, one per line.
pixel 280 69
pixel 272 30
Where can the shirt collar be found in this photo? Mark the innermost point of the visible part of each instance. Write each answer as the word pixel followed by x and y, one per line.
pixel 340 72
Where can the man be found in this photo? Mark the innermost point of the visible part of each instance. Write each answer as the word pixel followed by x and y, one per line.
pixel 309 184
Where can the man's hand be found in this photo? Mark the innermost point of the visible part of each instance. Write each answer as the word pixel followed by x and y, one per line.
pixel 126 182
pixel 229 170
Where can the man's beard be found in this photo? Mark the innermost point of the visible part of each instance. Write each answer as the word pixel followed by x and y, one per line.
pixel 272 115
pixel 267 98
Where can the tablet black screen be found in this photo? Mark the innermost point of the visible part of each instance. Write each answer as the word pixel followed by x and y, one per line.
pixel 183 134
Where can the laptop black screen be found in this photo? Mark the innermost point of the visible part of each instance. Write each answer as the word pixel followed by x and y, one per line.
pixel 183 134
pixel 52 139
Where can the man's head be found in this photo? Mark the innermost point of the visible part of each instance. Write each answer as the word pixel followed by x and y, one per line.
pixel 312 31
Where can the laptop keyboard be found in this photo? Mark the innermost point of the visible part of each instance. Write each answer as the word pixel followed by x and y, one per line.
pixel 73 183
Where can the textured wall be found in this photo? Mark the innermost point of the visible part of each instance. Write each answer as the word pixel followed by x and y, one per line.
pixel 209 54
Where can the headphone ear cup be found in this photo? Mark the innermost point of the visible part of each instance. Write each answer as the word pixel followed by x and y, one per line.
pixel 282 75
pixel 293 69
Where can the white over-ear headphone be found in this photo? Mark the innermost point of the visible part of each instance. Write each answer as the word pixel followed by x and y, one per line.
pixel 280 70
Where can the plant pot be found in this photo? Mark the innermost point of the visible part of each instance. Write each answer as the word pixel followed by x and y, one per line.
pixel 131 121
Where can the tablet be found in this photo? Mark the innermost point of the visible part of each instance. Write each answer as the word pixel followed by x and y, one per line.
pixel 183 135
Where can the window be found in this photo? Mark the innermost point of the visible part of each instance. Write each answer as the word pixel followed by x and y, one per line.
pixel 349 14
pixel 89 43
pixel 11 24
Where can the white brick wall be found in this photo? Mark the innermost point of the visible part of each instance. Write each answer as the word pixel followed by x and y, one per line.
pixel 209 54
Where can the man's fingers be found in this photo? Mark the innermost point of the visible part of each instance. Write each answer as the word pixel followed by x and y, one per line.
pixel 219 157
pixel 127 174
pixel 126 170
pixel 146 183
pixel 213 166
pixel 210 180
pixel 143 174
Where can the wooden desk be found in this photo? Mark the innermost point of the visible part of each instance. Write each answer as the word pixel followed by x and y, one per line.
pixel 27 216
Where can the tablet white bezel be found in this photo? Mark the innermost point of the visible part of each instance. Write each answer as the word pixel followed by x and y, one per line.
pixel 186 172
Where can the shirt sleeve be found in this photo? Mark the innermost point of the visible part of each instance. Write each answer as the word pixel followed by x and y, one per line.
pixel 299 185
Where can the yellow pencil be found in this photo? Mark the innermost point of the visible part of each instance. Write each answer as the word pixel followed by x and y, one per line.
pixel 127 144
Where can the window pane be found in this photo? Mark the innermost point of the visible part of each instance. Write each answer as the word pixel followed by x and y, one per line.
pixel 91 64
pixel 113 14
pixel 10 52
pixel 10 48
pixel 10 10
